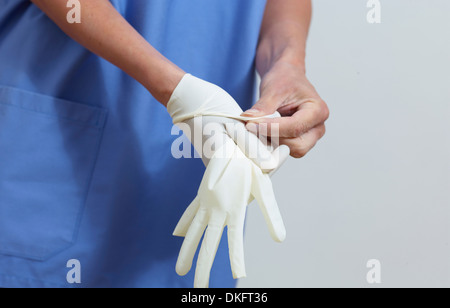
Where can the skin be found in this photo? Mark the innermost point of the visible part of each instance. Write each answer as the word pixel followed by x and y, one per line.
pixel 280 61
pixel 106 33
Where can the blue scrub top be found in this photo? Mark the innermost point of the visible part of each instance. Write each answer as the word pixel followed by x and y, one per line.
pixel 86 170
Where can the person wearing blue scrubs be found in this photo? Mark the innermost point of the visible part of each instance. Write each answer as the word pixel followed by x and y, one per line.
pixel 89 191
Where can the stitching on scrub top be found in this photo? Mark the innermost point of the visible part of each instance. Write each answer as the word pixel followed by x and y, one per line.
pixel 81 123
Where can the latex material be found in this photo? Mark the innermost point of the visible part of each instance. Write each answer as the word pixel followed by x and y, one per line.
pixel 232 180
pixel 115 191
pixel 230 183
pixel 195 98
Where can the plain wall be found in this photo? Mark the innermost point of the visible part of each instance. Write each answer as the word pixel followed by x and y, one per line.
pixel 378 185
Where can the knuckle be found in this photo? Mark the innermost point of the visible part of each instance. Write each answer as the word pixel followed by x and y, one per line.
pixel 322 131
pixel 299 150
pixel 298 153
pixel 299 129
pixel 325 111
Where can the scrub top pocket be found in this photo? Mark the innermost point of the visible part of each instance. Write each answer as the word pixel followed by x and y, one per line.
pixel 48 149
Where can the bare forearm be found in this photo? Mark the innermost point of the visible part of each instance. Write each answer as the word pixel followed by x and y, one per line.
pixel 283 34
pixel 106 33
pixel 280 61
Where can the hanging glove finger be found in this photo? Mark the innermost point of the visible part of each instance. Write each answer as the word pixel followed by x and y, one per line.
pixel 208 250
pixel 190 243
pixel 186 220
pixel 262 190
pixel 236 244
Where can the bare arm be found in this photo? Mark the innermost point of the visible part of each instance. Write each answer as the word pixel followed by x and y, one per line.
pixel 283 34
pixel 106 33
pixel 280 61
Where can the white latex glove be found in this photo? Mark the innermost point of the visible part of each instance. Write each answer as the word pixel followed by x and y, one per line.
pixel 230 183
pixel 233 178
pixel 206 113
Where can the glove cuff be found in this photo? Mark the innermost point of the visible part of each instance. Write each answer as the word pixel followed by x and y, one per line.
pixel 195 97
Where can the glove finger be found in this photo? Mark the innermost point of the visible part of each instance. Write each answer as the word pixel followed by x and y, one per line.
pixel 208 250
pixel 262 190
pixel 236 246
pixel 186 219
pixel 281 154
pixel 190 243
pixel 251 146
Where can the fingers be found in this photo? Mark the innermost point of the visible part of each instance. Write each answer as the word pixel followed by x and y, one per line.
pixel 251 145
pixel 261 108
pixel 186 220
pixel 190 243
pixel 236 245
pixel 208 250
pixel 300 146
pixel 263 192
pixel 308 115
pixel 281 154
pixel 259 149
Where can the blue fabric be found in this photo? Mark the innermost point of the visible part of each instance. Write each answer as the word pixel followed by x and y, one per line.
pixel 86 170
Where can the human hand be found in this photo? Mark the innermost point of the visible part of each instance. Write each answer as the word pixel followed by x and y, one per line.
pixel 237 163
pixel 285 88
pixel 208 116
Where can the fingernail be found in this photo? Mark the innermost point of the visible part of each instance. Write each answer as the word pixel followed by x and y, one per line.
pixel 252 127
pixel 251 112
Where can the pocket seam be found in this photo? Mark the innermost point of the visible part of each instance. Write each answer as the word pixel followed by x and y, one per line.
pixel 8 93
pixel 56 117
pixel 96 120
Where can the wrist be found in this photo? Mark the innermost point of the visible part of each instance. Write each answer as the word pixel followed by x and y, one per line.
pixel 161 77
pixel 171 78
pixel 295 60
pixel 283 43
pixel 291 58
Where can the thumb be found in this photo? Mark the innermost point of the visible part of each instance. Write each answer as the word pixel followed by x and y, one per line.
pixel 261 108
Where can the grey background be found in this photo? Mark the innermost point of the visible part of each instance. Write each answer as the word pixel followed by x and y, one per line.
pixel 378 185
